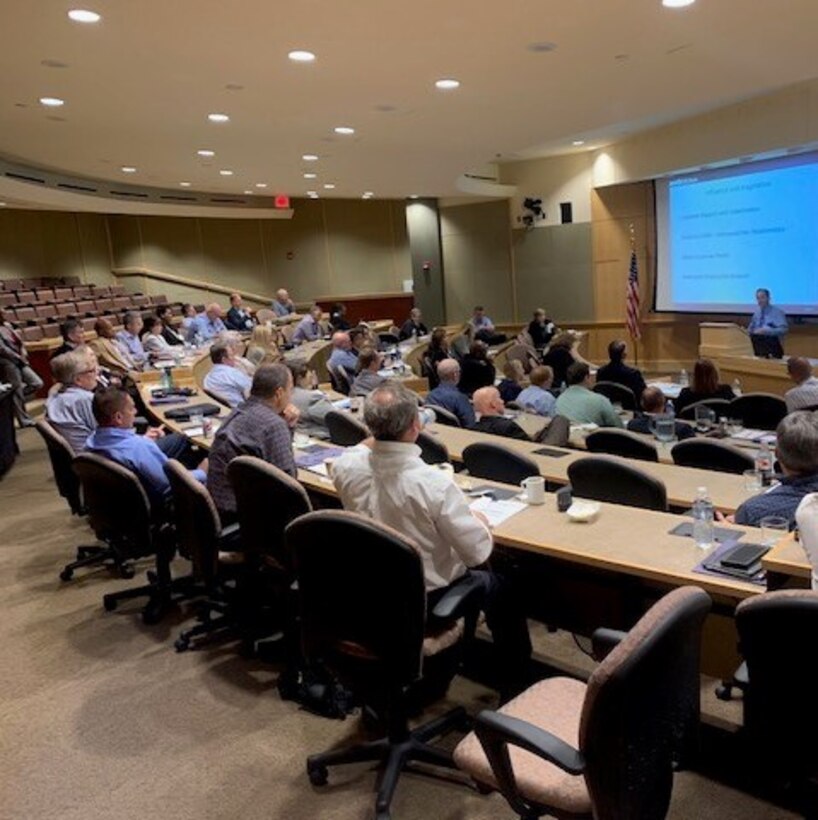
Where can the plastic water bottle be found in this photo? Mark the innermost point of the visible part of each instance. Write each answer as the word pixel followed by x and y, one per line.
pixel 703 532
pixel 764 464
pixel 683 380
pixel 167 378
pixel 670 410
pixel 737 387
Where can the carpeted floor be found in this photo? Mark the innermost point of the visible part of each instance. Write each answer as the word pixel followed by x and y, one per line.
pixel 100 718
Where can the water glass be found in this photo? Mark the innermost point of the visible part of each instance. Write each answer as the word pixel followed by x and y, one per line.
pixel 773 529
pixel 197 420
pixel 705 418
pixel 752 481
pixel 734 426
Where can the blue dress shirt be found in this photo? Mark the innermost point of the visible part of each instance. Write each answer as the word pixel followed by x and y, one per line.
pixel 208 328
pixel 281 310
pixel 542 402
pixel 308 330
pixel 230 382
pixel 772 319
pixel 133 346
pixel 137 453
pixel 447 396
pixel 346 359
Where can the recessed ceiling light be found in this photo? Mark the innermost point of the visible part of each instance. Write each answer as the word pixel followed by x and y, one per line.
pixel 248 193
pixel 206 153
pixel 261 185
pixel 128 169
pixel 84 16
pixel 313 194
pixel 309 157
pixel 226 173
pixel 577 143
pixel 329 186
pixel 185 184
pixel 299 56
pixel 367 195
pixel 447 85
pixel 310 176
pixel 2 204
pixel 218 118
pixel 52 102
pixel 414 196
pixel 343 129
pixel 677 4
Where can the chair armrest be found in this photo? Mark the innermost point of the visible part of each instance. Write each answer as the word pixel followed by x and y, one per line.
pixel 604 641
pixel 230 538
pixel 497 731
pixel 458 597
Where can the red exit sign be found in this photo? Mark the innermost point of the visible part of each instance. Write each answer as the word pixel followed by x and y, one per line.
pixel 282 201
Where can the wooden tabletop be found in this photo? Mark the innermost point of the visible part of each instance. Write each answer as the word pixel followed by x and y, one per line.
pixel 787 557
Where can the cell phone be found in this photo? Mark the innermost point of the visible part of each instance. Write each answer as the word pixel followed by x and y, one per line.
pixel 743 556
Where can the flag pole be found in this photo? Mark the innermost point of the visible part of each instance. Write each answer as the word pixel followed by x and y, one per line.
pixel 632 232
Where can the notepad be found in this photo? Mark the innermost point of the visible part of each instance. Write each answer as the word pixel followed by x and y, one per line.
pixel 497 511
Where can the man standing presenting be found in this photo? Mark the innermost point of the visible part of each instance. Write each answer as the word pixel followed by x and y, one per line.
pixel 385 479
pixel 767 327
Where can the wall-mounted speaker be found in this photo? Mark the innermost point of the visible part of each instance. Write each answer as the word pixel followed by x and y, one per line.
pixel 566 213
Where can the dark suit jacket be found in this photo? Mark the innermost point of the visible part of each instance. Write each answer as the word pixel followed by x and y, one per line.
pixel 500 426
pixel 622 374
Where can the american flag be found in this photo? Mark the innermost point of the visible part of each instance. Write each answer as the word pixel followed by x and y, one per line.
pixel 632 300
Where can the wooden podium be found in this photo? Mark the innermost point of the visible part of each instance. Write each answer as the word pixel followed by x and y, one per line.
pixel 719 339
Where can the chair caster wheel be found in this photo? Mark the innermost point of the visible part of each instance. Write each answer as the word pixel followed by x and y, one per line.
pixel 724 692
pixel 126 571
pixel 383 814
pixel 153 612
pixel 109 604
pixel 67 574
pixel 317 774
pixel 152 577
pixel 182 644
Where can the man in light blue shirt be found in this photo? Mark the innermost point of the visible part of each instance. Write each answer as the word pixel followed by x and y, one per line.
pixel 225 379
pixel 209 324
pixel 116 439
pixel 129 339
pixel 309 328
pixel 447 395
pixel 282 305
pixel 580 404
pixel 537 398
pixel 342 355
pixel 767 327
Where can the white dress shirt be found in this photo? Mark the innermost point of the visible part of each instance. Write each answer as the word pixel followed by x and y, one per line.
pixel 157 345
pixel 393 485
pixel 806 516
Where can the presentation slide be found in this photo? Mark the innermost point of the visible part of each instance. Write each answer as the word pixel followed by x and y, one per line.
pixel 722 234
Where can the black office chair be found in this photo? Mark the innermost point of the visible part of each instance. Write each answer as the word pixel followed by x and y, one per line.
pixel 444 416
pixel 762 411
pixel 779 720
pixel 339 379
pixel 633 719
pixel 201 539
pixel 604 479
pixel 432 451
pixel 618 394
pixel 218 398
pixel 120 514
pixel 363 614
pixel 498 463
pixel 557 433
pixel 711 455
pixel 344 430
pixel 621 443
pixel 387 340
pixel 719 406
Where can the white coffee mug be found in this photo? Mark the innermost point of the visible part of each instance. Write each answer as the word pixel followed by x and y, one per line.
pixel 533 489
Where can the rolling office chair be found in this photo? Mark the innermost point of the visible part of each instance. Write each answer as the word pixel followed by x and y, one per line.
pixel 604 479
pixel 618 394
pixel 339 379
pixel 557 433
pixel 344 430
pixel 711 455
pixel 444 416
pixel 363 611
pixel 432 451
pixel 621 443
pixel 120 514
pixel 498 463
pixel 201 540
pixel 605 749
pixel 718 406
pixel 759 410
pixel 218 398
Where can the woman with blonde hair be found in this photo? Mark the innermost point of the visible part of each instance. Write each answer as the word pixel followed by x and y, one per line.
pixel 263 346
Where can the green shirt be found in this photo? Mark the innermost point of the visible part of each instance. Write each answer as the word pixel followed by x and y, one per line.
pixel 582 405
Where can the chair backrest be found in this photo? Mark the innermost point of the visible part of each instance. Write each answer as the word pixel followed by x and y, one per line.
pixel 198 526
pixel 618 394
pixel 604 479
pixel 498 463
pixel 287 333
pixel 711 455
pixel 775 632
pixel 760 410
pixel 444 416
pixel 557 433
pixel 718 406
pixel 267 499
pixel 432 451
pixel 363 597
pixel 117 505
pixel 62 456
pixel 217 397
pixel 524 354
pixel 386 340
pixel 32 334
pixel 339 379
pixel 640 703
pixel 621 443
pixel 344 430
pixel 264 315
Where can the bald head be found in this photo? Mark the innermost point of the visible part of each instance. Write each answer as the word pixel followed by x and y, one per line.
pixel 799 369
pixel 448 370
pixel 282 295
pixel 653 400
pixel 341 340
pixel 487 402
pixel 214 311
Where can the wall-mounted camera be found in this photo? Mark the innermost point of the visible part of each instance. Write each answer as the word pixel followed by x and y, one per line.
pixel 533 211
